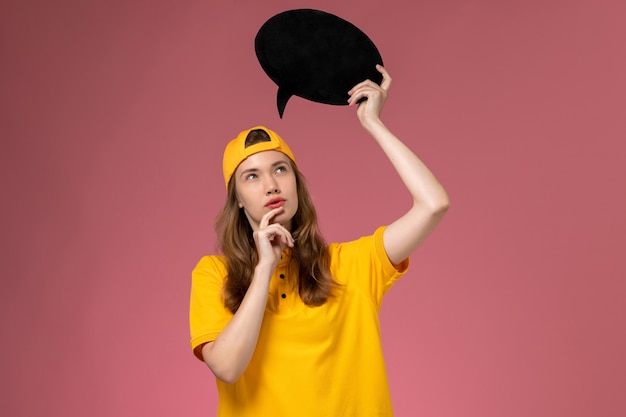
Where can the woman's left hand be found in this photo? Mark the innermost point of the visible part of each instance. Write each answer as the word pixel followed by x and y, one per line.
pixel 373 96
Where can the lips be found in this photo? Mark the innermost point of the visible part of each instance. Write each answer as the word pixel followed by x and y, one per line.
pixel 275 203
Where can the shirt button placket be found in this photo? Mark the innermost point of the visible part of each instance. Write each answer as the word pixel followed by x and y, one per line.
pixel 282 276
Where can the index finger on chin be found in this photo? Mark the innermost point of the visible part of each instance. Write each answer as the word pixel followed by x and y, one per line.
pixel 265 220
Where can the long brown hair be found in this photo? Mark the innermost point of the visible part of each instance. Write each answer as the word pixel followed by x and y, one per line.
pixel 315 283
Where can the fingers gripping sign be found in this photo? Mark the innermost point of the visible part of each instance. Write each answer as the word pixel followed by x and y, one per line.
pixel 370 97
pixel 271 238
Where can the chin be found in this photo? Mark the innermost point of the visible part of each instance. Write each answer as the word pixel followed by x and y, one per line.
pixel 285 220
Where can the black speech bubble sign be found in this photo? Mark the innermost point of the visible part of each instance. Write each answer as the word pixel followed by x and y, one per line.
pixel 315 55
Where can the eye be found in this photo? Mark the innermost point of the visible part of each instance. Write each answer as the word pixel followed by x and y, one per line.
pixel 280 169
pixel 250 177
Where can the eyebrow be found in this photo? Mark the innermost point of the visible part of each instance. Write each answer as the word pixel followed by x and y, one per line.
pixel 255 169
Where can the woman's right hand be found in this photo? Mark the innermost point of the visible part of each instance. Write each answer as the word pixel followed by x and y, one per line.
pixel 229 355
pixel 271 239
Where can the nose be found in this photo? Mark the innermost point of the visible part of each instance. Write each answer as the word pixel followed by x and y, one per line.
pixel 271 187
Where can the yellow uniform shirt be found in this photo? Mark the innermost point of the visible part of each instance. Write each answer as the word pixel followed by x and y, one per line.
pixel 309 361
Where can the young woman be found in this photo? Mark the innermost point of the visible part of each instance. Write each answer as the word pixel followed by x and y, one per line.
pixel 288 324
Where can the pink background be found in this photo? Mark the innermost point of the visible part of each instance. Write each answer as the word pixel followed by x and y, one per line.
pixel 113 118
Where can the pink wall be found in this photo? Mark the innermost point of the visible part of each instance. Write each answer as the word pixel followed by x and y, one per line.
pixel 113 117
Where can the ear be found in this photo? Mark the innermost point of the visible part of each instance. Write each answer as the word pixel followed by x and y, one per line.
pixel 239 203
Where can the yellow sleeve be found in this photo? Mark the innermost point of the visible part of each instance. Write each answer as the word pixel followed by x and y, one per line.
pixel 207 314
pixel 364 264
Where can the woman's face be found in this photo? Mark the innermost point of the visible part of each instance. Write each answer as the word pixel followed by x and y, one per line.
pixel 263 182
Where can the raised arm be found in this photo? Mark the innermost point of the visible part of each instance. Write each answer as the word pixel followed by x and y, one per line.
pixel 430 199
